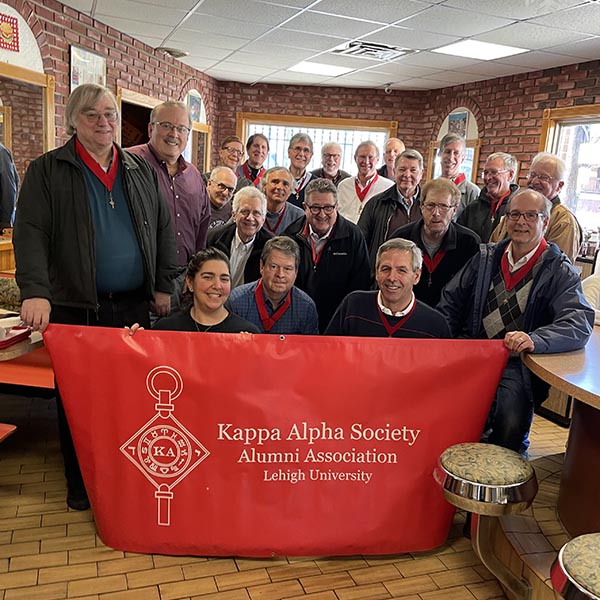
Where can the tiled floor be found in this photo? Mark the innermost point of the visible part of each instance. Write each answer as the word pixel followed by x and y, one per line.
pixel 48 552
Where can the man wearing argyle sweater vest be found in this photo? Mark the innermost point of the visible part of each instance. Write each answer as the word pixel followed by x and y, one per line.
pixel 526 292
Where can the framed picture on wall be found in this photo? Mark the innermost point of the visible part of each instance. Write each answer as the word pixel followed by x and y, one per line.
pixel 457 123
pixel 87 67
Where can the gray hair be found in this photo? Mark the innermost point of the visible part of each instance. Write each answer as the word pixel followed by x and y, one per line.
pixel 283 244
pixel 249 192
pixel 559 163
pixel 401 244
pixel 510 162
pixel 392 139
pixel 410 154
pixel 450 138
pixel 171 104
pixel 301 137
pixel 85 97
pixel 220 169
pixel 267 176
pixel 320 185
pixel 367 143
pixel 546 204
pixel 331 145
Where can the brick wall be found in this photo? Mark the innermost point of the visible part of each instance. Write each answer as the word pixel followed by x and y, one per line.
pixel 130 64
pixel 27 126
pixel 508 110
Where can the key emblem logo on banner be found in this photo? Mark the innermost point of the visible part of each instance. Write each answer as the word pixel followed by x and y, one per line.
pixel 163 449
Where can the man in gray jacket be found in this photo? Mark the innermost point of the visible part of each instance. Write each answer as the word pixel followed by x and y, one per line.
pixel 524 291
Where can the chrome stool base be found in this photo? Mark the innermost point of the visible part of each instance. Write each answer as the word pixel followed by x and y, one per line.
pixel 489 482
pixel 575 574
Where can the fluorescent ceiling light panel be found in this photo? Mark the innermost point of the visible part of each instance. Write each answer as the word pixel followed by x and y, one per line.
pixel 480 50
pixel 319 69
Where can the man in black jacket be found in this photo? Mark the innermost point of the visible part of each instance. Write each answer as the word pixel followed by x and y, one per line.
pixel 446 246
pixel 243 239
pixel 333 253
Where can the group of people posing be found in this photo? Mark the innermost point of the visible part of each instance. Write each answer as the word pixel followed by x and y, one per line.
pixel 108 237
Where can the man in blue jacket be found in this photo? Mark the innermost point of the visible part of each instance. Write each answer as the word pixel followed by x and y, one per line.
pixel 526 292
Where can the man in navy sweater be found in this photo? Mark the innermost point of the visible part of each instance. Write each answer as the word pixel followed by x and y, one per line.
pixel 393 311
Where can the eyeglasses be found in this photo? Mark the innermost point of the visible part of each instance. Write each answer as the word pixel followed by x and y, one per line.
pixel 545 178
pixel 328 156
pixel 224 188
pixel 443 208
pixel 301 150
pixel 530 216
pixel 166 126
pixel 233 151
pixel 93 116
pixel 493 172
pixel 328 210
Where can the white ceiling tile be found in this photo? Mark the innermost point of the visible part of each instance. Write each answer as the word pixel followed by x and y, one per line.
pixel 265 60
pixel 250 12
pixel 134 28
pixel 202 64
pixel 236 67
pixel 312 22
pixel 532 37
pixel 84 6
pixel 225 27
pixel 138 11
pixel 410 38
pixel 538 60
pixel 455 77
pixel 228 76
pixel 270 51
pixel 308 41
pixel 288 3
pixel 437 61
pixel 439 19
pixel 589 49
pixel 186 5
pixel 513 9
pixel 340 60
pixel 400 69
pixel 419 84
pixel 585 19
pixel 294 78
pixel 200 51
pixel 492 68
pixel 380 11
pixel 367 77
pixel 185 37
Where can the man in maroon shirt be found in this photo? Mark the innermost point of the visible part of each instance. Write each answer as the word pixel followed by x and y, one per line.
pixel 180 182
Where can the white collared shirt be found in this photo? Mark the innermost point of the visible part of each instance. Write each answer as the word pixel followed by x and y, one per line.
pixel 318 242
pixel 515 266
pixel 401 313
pixel 240 252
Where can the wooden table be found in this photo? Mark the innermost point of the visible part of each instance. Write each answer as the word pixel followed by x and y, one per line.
pixel 577 374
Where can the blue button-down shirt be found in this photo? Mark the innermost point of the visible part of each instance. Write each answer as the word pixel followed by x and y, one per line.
pixel 300 318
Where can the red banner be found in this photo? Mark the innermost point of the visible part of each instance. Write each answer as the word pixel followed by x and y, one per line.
pixel 259 445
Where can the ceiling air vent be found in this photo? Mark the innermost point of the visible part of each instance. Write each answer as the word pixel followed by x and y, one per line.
pixel 372 51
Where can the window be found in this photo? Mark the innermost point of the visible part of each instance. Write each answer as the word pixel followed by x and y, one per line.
pixel 348 133
pixel 574 135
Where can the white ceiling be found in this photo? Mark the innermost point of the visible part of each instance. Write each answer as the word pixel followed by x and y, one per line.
pixel 254 41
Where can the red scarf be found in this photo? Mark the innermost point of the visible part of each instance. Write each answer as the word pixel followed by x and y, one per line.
pixel 459 179
pixel 432 263
pixel 274 229
pixel 269 321
pixel 316 257
pixel 391 330
pixel 362 194
pixel 511 279
pixel 498 204
pixel 107 179
pixel 248 175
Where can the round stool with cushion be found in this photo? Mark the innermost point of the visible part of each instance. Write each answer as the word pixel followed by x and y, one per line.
pixel 575 574
pixel 488 481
